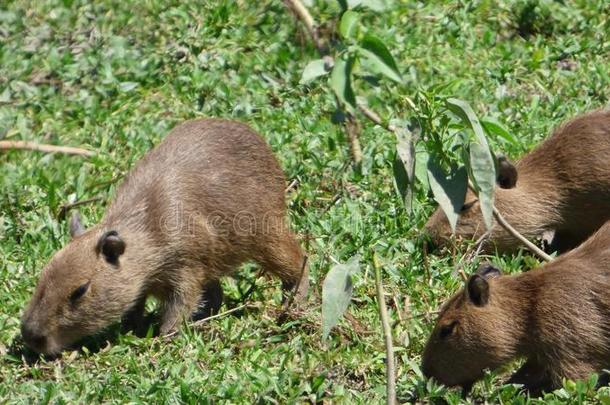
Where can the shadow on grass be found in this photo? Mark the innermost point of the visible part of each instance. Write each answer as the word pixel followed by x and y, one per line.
pixel 150 327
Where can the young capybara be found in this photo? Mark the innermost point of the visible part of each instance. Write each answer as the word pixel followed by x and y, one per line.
pixel 563 188
pixel 209 197
pixel 556 317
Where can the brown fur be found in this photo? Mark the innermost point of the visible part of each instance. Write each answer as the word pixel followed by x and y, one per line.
pixel 556 317
pixel 208 198
pixel 563 187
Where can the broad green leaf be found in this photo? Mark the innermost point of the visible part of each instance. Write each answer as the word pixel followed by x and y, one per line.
pixel 337 293
pixel 379 58
pixel 484 171
pixel 421 168
pixel 341 81
pixel 314 69
pixel 494 127
pixel 404 164
pixel 463 110
pixel 449 190
pixel 401 180
pixel 349 23
pixel 482 163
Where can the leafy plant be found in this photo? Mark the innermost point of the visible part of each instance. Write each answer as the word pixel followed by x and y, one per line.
pixel 454 147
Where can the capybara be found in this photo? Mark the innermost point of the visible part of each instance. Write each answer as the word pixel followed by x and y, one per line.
pixel 208 198
pixel 561 188
pixel 556 317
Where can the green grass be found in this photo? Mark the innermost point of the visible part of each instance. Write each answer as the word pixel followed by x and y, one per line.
pixel 115 76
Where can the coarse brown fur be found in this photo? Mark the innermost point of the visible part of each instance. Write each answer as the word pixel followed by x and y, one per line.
pixel 563 187
pixel 556 317
pixel 208 198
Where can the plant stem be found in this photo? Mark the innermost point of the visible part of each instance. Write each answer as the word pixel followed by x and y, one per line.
pixel 301 11
pixel 210 318
pixel 535 249
pixel 303 14
pixel 509 228
pixel 353 130
pixel 387 332
pixel 68 206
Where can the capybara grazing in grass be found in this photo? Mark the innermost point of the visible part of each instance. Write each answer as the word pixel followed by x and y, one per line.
pixel 556 317
pixel 208 198
pixel 561 187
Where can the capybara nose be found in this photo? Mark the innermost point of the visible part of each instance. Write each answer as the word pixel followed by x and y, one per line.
pixel 35 341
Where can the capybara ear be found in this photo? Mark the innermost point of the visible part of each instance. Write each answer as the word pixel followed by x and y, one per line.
pixel 478 290
pixel 76 228
pixel 111 246
pixel 507 173
pixel 487 271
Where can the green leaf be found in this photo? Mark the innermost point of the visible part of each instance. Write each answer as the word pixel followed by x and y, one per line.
pixel 449 190
pixel 341 80
pixel 337 293
pixel 421 167
pixel 348 24
pixel 463 110
pixel 484 171
pixel 127 86
pixel 494 127
pixel 404 164
pixel 482 162
pixel 313 70
pixel 379 58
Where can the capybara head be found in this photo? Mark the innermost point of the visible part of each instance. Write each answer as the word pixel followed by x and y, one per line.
pixel 81 290
pixel 470 223
pixel 469 335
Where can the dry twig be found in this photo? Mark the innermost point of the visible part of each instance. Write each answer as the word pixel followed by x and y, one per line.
pixel 63 210
pixel 210 318
pixel 292 186
pixel 301 11
pixel 509 228
pixel 26 145
pixel 535 249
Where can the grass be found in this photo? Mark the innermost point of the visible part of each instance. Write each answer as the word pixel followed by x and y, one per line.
pixel 115 76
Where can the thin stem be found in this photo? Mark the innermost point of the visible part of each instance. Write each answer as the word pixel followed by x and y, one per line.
pixel 535 249
pixel 309 23
pixel 387 332
pixel 509 228
pixel 210 318
pixel 303 14
pixel 68 206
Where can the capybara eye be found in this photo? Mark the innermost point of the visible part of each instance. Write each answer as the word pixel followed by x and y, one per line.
pixel 447 330
pixel 79 292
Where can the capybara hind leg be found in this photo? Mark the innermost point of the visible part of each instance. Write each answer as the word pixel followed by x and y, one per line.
pixel 210 302
pixel 285 259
